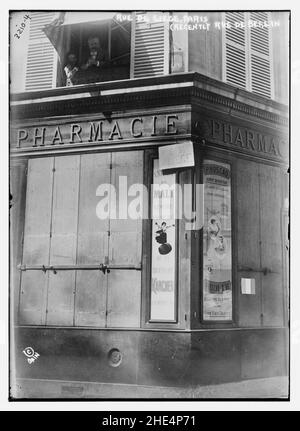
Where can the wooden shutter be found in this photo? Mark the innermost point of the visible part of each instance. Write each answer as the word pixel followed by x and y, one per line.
pixel 271 204
pixel 235 50
pixel 260 56
pixel 149 47
pixel 247 52
pixel 248 241
pixel 60 303
pixel 36 250
pixel 91 286
pixel 41 56
pixel 125 243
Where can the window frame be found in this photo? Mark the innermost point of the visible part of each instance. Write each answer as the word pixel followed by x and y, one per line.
pixel 197 294
pixel 203 320
pixel 180 311
pixel 69 30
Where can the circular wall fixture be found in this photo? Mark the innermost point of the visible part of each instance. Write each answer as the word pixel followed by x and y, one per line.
pixel 114 357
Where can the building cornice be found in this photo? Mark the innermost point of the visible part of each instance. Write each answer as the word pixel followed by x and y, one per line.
pixel 170 90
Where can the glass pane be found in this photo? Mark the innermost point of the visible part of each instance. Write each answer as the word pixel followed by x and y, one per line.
pixel 163 246
pixel 217 272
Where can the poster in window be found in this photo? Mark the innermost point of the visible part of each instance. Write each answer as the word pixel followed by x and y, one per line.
pixel 217 272
pixel 163 246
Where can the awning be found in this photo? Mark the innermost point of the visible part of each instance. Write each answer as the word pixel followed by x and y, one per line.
pixel 81 17
pixel 54 30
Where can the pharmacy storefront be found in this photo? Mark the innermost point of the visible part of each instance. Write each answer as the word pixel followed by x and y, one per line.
pixel 149 233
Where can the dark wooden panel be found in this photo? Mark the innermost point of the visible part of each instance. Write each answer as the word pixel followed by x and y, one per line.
pixel 60 306
pixel 271 244
pixel 263 353
pixel 77 354
pixel 248 238
pixel 91 286
pixel 152 358
pixel 164 358
pixel 215 357
pixel 36 240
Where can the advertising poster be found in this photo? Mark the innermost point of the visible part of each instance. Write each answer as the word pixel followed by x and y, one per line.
pixel 163 246
pixel 217 286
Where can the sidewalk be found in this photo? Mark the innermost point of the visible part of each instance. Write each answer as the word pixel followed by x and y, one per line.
pixel 274 387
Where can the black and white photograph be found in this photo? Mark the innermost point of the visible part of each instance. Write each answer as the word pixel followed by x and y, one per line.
pixel 149 180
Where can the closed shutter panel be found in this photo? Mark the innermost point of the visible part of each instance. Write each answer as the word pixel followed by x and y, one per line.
pixel 235 50
pixel 91 286
pixel 260 56
pixel 270 178
pixel 41 56
pixel 125 242
pixel 63 242
pixel 150 47
pixel 36 250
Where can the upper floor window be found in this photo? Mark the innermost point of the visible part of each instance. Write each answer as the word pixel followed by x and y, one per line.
pixel 247 61
pixel 92 47
pixel 71 48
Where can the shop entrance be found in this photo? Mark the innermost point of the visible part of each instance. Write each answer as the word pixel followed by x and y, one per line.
pixel 80 267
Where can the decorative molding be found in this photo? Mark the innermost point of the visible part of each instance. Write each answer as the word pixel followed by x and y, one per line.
pixel 235 105
pixel 167 97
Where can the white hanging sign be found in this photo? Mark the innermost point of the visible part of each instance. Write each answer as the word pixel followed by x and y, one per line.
pixel 176 156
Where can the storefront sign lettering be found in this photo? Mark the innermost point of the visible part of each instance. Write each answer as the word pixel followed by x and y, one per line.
pixel 98 131
pixel 247 139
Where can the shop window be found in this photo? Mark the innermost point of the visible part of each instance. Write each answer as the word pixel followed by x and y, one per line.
pixel 163 245
pixel 247 51
pixel 217 256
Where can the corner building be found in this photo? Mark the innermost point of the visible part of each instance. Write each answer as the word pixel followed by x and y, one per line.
pixel 96 297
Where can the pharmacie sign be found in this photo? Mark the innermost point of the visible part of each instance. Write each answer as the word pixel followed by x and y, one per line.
pixel 99 130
